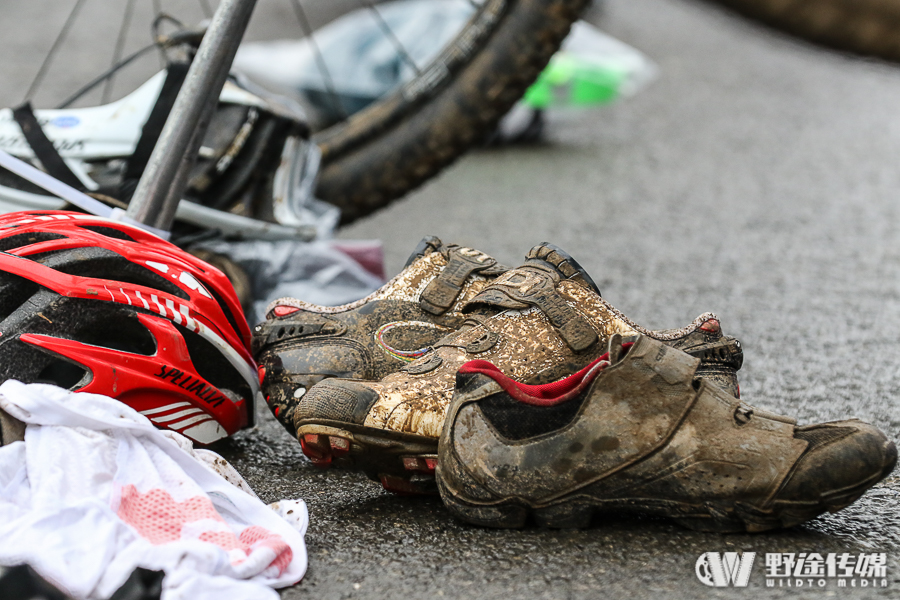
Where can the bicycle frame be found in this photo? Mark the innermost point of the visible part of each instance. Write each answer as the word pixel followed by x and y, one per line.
pixel 165 179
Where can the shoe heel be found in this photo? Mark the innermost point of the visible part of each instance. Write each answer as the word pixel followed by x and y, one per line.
pixel 564 516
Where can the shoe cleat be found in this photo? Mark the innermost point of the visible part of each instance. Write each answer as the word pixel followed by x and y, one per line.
pixel 642 433
pixel 421 464
pixel 538 323
pixel 322 450
pixel 299 344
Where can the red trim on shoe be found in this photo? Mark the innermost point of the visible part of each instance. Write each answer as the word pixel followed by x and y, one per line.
pixel 547 394
pixel 283 310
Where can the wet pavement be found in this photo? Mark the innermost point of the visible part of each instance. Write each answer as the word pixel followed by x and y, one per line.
pixel 757 178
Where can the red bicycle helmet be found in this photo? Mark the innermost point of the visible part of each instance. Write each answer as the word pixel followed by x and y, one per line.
pixel 94 305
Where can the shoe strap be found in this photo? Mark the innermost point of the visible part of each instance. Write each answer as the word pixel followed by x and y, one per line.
pixel 440 294
pixel 525 287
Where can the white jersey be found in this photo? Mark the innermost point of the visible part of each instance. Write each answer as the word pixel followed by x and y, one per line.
pixel 95 491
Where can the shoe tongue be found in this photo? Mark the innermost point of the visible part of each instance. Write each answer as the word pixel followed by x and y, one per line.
pixel 548 255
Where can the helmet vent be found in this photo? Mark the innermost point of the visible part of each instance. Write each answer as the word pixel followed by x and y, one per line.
pixel 14 292
pixel 63 373
pixel 212 365
pixel 228 314
pixel 26 239
pixel 106 264
pixel 109 232
pixel 119 332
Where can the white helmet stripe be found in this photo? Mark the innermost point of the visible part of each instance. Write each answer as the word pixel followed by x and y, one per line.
pixel 159 307
pixel 141 298
pixel 168 407
pixel 175 314
pixel 178 415
pixel 189 422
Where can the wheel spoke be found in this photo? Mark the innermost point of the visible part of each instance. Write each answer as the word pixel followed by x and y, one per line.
pixel 158 12
pixel 120 47
pixel 389 34
pixel 105 75
pixel 42 71
pixel 320 60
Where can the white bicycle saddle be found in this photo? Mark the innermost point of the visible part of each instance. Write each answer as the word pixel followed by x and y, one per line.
pixel 96 142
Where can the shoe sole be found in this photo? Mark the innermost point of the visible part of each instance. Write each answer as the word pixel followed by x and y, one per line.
pixel 402 463
pixel 721 517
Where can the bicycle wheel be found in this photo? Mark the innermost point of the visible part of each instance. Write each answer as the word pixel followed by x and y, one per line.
pixel 869 27
pixel 397 144
pixel 398 141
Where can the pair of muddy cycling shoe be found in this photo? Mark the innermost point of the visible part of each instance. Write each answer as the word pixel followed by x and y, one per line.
pixel 522 393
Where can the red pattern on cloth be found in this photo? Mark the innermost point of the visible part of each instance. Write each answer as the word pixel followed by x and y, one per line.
pixel 160 519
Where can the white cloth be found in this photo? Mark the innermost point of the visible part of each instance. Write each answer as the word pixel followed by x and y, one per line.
pixel 95 491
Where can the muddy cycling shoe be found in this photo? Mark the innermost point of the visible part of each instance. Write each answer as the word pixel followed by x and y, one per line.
pixel 300 344
pixel 641 433
pixel 11 429
pixel 538 323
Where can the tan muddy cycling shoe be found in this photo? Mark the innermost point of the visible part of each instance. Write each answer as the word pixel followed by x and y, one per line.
pixel 538 323
pixel 11 429
pixel 300 344
pixel 641 433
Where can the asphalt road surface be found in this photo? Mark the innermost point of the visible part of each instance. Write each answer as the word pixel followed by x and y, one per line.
pixel 757 178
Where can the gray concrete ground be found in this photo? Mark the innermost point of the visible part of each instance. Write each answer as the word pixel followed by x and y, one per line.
pixel 757 178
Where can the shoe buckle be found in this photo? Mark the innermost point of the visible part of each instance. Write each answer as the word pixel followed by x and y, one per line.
pixel 742 414
pixel 428 365
pixel 532 287
pixel 487 341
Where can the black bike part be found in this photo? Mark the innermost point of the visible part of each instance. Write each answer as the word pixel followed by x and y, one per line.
pixel 175 74
pixel 43 148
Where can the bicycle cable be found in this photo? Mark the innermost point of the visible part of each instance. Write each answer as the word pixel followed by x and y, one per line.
pixel 320 60
pixel 120 47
